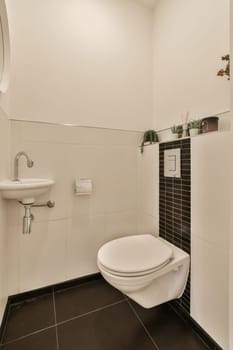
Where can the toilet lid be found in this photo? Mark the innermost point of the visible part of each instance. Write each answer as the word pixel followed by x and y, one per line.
pixel 134 254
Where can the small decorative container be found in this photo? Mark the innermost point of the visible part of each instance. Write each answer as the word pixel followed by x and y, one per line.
pixel 194 126
pixel 209 124
pixel 174 136
pixel 194 132
pixel 174 132
pixel 149 137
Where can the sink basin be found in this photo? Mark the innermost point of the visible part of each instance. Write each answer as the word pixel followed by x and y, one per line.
pixel 25 190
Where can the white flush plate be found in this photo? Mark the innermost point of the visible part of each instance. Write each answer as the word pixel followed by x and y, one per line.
pixel 172 163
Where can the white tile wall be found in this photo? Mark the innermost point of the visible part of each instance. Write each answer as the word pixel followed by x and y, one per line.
pixel 85 237
pixel 43 254
pixel 209 297
pixel 65 240
pixel 3 231
pixel 148 189
pixel 210 233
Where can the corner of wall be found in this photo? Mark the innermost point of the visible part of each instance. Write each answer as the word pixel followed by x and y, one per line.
pixel 4 156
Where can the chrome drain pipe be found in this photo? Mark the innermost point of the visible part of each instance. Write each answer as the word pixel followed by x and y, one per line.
pixel 29 217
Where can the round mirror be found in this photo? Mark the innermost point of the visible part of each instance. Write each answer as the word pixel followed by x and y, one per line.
pixel 4 47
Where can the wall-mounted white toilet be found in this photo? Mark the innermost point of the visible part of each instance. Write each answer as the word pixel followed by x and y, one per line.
pixel 147 269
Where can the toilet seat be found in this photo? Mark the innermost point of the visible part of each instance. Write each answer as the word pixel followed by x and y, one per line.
pixel 132 274
pixel 134 255
pixel 147 269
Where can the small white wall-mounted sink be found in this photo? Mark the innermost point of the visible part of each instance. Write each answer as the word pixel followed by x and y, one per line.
pixel 25 190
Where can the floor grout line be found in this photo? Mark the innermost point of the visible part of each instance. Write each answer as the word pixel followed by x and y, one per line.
pixel 28 335
pixel 143 325
pixel 62 322
pixel 91 312
pixel 55 318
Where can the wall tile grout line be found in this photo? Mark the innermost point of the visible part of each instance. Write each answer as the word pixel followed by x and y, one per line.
pixel 55 317
pixel 143 325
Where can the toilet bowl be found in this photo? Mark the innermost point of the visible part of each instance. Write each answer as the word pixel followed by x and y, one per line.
pixel 148 269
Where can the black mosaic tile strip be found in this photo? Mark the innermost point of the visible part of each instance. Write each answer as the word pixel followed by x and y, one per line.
pixel 175 206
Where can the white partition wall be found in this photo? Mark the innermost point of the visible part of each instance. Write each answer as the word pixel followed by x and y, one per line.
pixel 148 190
pixel 211 182
pixel 189 39
pixel 231 260
pixel 3 229
pixel 231 228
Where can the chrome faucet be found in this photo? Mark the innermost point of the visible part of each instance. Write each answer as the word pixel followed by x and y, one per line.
pixel 30 164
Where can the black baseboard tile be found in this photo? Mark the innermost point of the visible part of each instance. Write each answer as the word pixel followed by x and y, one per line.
pixel 77 282
pixel 21 297
pixel 206 338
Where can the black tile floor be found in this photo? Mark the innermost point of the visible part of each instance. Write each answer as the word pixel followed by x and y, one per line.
pixel 95 316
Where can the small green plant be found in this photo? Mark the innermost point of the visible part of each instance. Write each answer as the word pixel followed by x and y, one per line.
pixel 149 136
pixel 194 124
pixel 175 129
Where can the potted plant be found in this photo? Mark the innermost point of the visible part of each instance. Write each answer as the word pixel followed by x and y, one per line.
pixel 175 132
pixel 194 127
pixel 149 137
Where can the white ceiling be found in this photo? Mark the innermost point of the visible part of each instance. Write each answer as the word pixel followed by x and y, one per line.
pixel 148 3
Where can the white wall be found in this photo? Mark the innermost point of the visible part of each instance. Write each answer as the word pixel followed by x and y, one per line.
pixel 231 260
pixel 231 228
pixel 148 189
pixel 3 229
pixel 1 53
pixel 211 180
pixel 189 39
pixel 65 240
pixel 86 62
pixel 91 64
